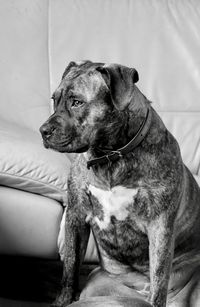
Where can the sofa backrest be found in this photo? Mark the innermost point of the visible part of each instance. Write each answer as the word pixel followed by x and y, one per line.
pixel 160 38
pixel 24 63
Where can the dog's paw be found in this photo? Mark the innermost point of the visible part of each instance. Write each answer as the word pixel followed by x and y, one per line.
pixel 63 299
pixel 57 303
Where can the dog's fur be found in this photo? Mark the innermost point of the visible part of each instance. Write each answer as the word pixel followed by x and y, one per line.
pixel 143 209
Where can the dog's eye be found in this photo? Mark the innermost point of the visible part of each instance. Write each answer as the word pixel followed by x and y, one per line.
pixel 77 103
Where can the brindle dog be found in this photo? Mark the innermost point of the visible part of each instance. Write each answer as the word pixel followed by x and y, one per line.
pixel 129 185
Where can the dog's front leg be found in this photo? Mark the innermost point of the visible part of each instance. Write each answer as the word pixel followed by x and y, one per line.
pixel 161 249
pixel 76 238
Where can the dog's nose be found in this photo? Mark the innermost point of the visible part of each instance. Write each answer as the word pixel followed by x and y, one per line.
pixel 46 130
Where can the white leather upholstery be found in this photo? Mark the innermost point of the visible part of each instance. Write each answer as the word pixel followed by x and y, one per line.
pixel 26 165
pixel 29 224
pixel 161 39
pixel 24 64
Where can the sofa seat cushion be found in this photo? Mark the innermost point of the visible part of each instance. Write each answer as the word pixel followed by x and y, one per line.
pixel 26 165
pixel 29 224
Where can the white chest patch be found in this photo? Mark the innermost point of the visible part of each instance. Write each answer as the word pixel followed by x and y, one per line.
pixel 114 202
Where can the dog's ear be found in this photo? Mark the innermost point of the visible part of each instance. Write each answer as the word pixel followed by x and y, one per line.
pixel 67 69
pixel 120 80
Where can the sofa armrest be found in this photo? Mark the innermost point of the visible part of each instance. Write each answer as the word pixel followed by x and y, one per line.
pixel 26 165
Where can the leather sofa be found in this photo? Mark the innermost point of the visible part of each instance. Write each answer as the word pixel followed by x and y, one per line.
pixel 38 38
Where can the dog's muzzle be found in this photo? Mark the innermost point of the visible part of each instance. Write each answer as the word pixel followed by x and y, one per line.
pixel 47 130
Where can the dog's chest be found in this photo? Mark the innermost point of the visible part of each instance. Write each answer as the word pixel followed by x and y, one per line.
pixel 114 203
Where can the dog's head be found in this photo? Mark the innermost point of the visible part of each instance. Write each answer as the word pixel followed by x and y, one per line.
pixel 89 106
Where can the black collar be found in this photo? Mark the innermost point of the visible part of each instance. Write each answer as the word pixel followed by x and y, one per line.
pixel 119 153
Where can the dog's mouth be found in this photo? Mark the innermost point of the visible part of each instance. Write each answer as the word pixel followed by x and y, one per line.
pixel 64 146
pixel 60 146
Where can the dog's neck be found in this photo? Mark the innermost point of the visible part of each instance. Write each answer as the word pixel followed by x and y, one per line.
pixel 124 135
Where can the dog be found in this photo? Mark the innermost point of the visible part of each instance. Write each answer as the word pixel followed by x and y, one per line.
pixel 129 185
